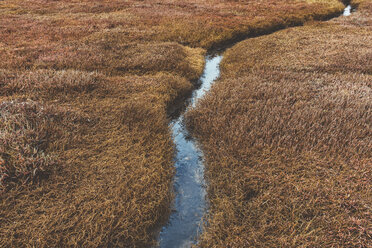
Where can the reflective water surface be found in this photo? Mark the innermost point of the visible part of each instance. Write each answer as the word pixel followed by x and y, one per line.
pixel 347 10
pixel 185 222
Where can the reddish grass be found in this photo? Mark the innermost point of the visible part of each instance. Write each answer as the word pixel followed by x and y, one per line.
pixel 28 131
pixel 110 161
pixel 287 137
pixel 24 138
pixel 119 67
pixel 231 21
pixel 48 82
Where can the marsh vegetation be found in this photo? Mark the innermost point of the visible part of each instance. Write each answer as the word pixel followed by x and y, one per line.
pixel 88 88
pixel 287 137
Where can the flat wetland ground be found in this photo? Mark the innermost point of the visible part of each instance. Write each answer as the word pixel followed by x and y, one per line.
pixel 87 88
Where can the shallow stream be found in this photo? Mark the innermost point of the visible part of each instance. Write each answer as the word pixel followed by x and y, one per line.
pixel 190 203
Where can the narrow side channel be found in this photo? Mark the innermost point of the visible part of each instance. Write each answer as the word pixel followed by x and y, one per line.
pixel 190 204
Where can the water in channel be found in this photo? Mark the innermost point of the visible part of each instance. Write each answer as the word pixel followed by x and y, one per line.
pixel 347 10
pixel 190 204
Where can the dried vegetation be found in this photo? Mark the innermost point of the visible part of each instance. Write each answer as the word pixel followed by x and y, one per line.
pixel 85 87
pixel 288 138
pixel 111 170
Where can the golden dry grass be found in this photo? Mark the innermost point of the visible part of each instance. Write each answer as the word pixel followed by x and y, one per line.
pixel 288 139
pixel 109 73
pixel 114 176
pixel 225 22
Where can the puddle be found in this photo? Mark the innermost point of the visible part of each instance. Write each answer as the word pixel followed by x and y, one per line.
pixel 190 205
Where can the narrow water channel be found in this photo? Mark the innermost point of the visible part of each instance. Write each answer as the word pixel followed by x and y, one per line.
pixel 190 205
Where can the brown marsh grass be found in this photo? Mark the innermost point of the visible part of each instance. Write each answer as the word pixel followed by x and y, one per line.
pixel 85 87
pixel 113 173
pixel 288 139
pixel 25 133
